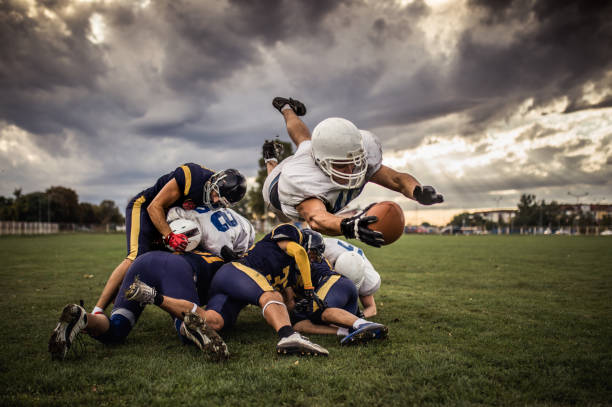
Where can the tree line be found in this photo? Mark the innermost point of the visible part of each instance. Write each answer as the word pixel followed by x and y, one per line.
pixel 532 213
pixel 58 204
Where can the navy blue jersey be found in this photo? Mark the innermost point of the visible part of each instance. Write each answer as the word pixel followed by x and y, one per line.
pixel 276 264
pixel 320 270
pixel 190 179
pixel 204 266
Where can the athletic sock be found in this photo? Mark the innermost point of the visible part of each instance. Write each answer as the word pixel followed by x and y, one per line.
pixel 159 298
pixel 285 331
pixel 342 331
pixel 359 321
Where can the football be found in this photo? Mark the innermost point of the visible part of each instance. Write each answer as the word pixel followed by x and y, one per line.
pixel 390 220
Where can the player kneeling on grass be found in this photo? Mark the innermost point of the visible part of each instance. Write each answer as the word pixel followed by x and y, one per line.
pixel 257 278
pixel 150 277
pixel 338 302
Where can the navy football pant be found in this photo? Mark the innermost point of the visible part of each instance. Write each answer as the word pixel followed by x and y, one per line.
pixel 170 274
pixel 337 292
pixel 232 288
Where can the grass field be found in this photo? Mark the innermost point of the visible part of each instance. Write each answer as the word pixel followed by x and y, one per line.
pixel 496 320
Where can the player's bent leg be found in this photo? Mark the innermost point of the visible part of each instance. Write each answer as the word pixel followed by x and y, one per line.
pixel 71 322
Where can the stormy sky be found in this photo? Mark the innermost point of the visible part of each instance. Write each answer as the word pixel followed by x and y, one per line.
pixel 485 100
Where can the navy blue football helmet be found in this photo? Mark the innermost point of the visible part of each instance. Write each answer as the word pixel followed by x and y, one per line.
pixel 314 244
pixel 230 186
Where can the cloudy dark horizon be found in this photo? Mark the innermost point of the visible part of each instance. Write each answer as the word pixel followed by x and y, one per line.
pixel 484 100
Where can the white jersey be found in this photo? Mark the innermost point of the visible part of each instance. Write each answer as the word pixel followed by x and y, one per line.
pixel 335 247
pixel 220 227
pixel 299 178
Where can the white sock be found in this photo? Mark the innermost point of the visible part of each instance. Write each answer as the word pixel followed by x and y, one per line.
pixel 359 321
pixel 342 331
pixel 286 107
pixel 97 310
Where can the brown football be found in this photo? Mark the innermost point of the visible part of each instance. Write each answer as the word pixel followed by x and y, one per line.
pixel 390 220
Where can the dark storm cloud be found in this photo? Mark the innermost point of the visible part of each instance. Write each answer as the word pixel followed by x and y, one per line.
pixel 47 77
pixel 273 20
pixel 566 45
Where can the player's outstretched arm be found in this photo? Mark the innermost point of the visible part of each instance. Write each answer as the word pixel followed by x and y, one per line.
pixel 369 305
pixel 407 185
pixel 314 212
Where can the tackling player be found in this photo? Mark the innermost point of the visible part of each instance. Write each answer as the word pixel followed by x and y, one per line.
pixel 267 268
pixel 329 170
pixel 170 274
pixel 189 186
pixel 225 232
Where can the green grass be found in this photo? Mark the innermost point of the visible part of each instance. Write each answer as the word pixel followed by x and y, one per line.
pixel 494 320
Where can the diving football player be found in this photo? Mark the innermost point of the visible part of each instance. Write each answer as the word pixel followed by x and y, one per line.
pixel 329 170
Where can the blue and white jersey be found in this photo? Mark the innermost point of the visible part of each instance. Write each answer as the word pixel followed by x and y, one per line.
pixel 298 178
pixel 335 247
pixel 220 227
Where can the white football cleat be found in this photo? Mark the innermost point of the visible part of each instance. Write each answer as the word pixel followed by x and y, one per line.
pixel 72 321
pixel 296 344
pixel 140 292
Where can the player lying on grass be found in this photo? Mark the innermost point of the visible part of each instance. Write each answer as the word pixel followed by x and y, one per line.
pixel 351 262
pixel 268 267
pixel 189 186
pixel 225 232
pixel 338 296
pixel 329 170
pixel 169 274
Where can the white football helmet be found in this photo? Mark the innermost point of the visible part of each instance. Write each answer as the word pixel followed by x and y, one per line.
pixel 351 266
pixel 338 142
pixel 188 228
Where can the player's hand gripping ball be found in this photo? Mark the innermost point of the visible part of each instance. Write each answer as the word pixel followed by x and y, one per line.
pixel 390 220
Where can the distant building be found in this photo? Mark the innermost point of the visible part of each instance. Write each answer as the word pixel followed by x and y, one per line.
pixel 597 210
pixel 497 215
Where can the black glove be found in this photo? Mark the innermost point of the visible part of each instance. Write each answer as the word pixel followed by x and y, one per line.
pixel 427 195
pixel 357 228
pixel 311 297
pixel 228 254
pixel 360 313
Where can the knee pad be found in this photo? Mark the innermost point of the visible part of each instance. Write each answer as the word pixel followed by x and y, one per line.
pixel 263 309
pixel 119 328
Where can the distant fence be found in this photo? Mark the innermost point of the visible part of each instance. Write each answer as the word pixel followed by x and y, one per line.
pixel 45 228
pixel 28 228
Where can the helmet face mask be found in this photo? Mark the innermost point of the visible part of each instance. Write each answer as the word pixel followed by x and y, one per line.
pixel 314 245
pixel 337 144
pixel 229 186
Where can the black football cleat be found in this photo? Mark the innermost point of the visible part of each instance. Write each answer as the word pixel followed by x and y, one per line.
pixel 297 106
